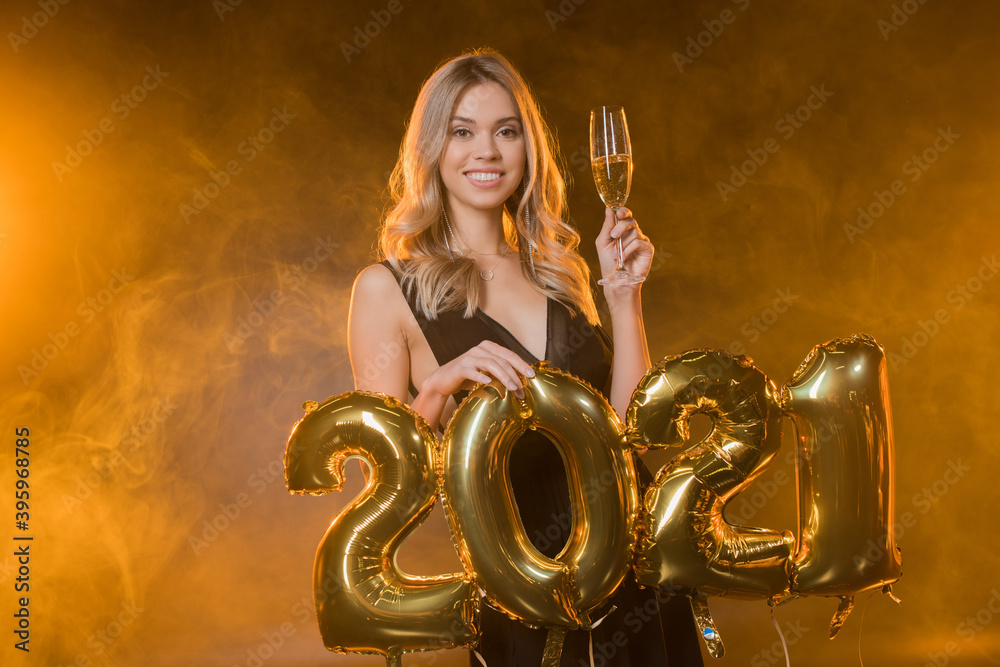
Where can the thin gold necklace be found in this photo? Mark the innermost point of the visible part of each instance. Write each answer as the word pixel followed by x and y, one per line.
pixel 485 275
pixel 488 275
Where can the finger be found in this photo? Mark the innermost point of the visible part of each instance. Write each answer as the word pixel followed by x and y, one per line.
pixel 633 234
pixel 503 372
pixel 508 355
pixel 609 224
pixel 624 226
pixel 472 372
pixel 494 363
pixel 623 212
pixel 636 247
pixel 636 240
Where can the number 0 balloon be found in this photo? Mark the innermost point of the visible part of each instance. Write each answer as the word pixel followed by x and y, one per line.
pixel 514 575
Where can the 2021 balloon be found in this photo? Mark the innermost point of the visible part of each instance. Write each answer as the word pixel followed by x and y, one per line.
pixel 838 400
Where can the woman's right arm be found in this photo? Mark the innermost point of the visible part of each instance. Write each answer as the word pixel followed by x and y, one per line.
pixel 380 350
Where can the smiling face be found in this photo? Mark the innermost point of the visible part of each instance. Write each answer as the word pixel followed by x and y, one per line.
pixel 484 155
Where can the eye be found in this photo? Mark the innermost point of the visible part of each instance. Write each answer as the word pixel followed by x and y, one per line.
pixel 508 132
pixel 461 132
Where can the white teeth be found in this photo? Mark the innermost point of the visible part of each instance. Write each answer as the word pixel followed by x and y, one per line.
pixel 483 176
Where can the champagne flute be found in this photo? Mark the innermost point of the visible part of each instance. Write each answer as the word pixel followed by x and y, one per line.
pixel 611 159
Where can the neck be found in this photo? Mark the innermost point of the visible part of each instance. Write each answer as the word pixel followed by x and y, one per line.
pixel 477 230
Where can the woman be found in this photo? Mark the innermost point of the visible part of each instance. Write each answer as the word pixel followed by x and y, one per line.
pixel 481 278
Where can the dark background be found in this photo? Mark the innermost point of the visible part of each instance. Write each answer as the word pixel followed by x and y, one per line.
pixel 167 398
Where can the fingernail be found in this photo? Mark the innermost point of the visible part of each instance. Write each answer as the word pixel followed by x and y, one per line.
pixel 512 386
pixel 530 372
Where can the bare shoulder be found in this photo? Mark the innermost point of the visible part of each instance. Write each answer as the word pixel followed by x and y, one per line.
pixel 376 287
pixel 377 301
pixel 377 339
pixel 375 281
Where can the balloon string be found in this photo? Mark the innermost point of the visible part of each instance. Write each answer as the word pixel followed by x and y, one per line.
pixel 781 635
pixel 861 627
pixel 590 633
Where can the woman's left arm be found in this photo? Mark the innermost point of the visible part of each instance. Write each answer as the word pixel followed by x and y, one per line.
pixel 631 360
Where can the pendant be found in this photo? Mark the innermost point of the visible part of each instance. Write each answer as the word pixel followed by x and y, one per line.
pixel 486 275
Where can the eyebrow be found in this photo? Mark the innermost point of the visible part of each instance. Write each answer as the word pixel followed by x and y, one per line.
pixel 499 121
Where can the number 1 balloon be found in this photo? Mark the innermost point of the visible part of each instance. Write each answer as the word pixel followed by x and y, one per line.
pixel 839 402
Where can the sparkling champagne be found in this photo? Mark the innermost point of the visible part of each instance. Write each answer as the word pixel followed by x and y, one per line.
pixel 613 176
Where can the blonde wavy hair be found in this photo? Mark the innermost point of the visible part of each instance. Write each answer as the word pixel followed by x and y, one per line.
pixel 412 235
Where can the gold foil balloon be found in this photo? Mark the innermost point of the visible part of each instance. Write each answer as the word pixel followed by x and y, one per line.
pixel 363 602
pixel 687 542
pixel 839 402
pixel 514 575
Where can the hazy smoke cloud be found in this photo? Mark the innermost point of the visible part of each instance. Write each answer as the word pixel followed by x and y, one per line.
pixel 188 190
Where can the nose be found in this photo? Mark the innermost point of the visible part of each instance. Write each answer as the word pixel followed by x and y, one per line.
pixel 486 147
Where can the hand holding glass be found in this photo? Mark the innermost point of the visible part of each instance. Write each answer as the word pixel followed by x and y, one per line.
pixel 611 159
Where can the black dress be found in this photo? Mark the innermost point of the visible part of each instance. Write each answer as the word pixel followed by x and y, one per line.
pixel 645 629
